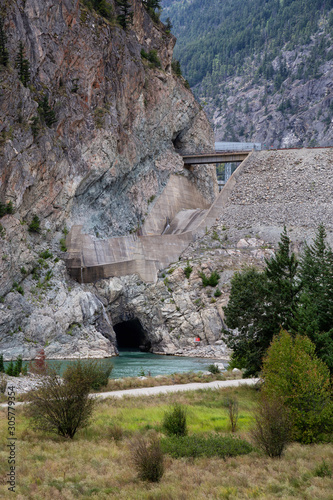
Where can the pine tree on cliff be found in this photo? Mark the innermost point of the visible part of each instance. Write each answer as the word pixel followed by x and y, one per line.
pixel 23 65
pixel 125 18
pixel 3 49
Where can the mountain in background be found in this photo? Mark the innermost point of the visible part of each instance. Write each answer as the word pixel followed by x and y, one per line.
pixel 263 69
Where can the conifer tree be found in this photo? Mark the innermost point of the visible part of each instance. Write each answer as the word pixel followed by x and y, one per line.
pixel 23 65
pixel 315 314
pixel 125 18
pixel 46 112
pixel 3 50
pixel 260 304
pixel 2 368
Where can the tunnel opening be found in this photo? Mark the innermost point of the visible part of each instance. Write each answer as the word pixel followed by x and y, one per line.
pixel 131 336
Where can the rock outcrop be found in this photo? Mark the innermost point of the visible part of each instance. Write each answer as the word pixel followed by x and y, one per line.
pixel 98 161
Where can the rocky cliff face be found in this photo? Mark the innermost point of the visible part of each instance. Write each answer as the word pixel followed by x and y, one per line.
pixel 109 149
pixel 299 113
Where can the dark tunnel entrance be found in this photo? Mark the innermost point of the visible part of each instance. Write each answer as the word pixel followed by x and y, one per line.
pixel 131 335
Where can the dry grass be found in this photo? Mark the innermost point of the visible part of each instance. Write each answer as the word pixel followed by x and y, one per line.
pixel 94 465
pixel 176 378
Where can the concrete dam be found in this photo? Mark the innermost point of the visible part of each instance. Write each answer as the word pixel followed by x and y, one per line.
pixel 179 215
pixel 267 190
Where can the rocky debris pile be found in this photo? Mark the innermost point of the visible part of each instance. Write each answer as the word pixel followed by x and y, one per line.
pixel 23 383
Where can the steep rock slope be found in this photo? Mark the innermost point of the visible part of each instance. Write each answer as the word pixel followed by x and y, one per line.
pixel 262 68
pixel 106 151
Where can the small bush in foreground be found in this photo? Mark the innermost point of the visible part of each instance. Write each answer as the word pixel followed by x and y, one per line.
pixel 174 421
pixel 232 406
pixel 304 386
pixel 272 429
pixel 62 406
pixel 148 459
pixel 212 445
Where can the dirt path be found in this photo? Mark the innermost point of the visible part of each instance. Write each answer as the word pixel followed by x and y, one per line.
pixel 164 389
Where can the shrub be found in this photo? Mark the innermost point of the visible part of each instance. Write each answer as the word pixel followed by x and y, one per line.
pixel 217 293
pixel 38 366
pixel 95 372
pixel 116 432
pixel 148 459
pixel 213 368
pixel 187 270
pixel 208 446
pixel 175 65
pixel 174 421
pixel 212 280
pixel 152 57
pixel 293 372
pixel 63 247
pixel 46 254
pixel 323 470
pixel 62 406
pixel 232 406
pixel 34 226
pixel 6 208
pixel 271 431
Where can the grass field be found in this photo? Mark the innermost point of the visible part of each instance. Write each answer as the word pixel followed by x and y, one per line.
pixel 94 465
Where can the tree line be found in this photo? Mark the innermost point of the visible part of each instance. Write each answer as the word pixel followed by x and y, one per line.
pixel 291 294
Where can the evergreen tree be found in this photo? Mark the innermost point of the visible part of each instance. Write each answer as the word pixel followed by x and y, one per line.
pixel 3 50
pixel 23 65
pixel 315 314
pixel 10 368
pixel 125 18
pixel 2 368
pixel 283 285
pixel 46 112
pixel 246 313
pixel 17 367
pixel 260 304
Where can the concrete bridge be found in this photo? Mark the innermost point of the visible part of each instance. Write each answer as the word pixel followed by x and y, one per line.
pixel 215 157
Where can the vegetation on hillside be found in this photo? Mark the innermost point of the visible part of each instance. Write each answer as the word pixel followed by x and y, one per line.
pixel 215 38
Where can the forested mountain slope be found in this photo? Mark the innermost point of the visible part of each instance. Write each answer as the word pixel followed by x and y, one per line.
pixel 263 67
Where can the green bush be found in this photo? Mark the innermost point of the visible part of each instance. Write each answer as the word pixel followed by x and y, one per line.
pixel 63 247
pixel 323 470
pixel 34 226
pixel 272 429
pixel 294 373
pixel 46 254
pixel 187 270
pixel 6 208
pixel 217 293
pixel 175 65
pixel 207 446
pixel 96 373
pixel 174 421
pixel 213 369
pixel 148 459
pixel 152 57
pixel 62 406
pixel 211 280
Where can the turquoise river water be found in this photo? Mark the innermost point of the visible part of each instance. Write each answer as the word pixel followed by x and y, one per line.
pixel 131 363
